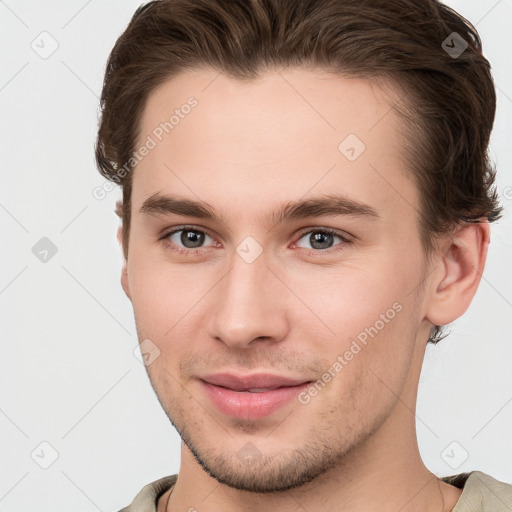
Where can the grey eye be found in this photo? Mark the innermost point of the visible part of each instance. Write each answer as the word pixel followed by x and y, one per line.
pixel 188 238
pixel 320 239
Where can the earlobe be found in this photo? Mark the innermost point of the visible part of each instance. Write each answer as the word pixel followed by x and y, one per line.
pixel 461 266
pixel 124 272
pixel 120 235
pixel 124 281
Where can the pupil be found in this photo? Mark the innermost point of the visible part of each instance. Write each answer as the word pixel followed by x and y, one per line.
pixel 322 239
pixel 194 238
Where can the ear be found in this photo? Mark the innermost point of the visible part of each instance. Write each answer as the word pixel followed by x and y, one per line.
pixel 461 264
pixel 124 271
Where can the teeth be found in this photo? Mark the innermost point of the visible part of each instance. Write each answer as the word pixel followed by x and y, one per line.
pixel 259 390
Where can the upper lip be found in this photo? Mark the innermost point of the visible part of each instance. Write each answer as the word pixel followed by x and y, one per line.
pixel 258 380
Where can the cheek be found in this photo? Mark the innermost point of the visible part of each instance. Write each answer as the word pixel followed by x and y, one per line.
pixel 366 319
pixel 164 296
pixel 367 372
pixel 343 302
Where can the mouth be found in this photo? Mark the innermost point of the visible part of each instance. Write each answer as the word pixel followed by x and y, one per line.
pixel 251 397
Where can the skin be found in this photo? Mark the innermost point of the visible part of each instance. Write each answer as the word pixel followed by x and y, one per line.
pixel 246 149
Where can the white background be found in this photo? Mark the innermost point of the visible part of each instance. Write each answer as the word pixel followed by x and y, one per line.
pixel 68 373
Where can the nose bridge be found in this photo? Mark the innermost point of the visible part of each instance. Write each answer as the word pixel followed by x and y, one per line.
pixel 246 287
pixel 246 303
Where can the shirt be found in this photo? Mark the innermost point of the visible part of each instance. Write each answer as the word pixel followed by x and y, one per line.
pixel 480 493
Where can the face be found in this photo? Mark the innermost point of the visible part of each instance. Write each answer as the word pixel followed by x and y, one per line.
pixel 274 267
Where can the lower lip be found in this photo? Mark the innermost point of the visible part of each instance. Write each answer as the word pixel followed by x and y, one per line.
pixel 250 406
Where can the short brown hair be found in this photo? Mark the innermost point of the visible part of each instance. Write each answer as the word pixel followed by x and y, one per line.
pixel 449 102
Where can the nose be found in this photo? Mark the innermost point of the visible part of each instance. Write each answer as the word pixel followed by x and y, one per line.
pixel 249 305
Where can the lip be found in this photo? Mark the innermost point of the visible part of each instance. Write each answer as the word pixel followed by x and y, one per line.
pixel 257 380
pixel 230 393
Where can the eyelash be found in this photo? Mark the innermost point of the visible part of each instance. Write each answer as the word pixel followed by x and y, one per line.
pixel 197 252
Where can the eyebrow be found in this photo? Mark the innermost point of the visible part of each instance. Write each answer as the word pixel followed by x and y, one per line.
pixel 326 205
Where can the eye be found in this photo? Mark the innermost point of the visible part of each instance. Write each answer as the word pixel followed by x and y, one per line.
pixel 322 239
pixel 185 239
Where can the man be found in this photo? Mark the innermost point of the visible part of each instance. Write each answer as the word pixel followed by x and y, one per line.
pixel 306 202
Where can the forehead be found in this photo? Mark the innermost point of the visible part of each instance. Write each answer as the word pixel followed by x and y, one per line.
pixel 281 136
